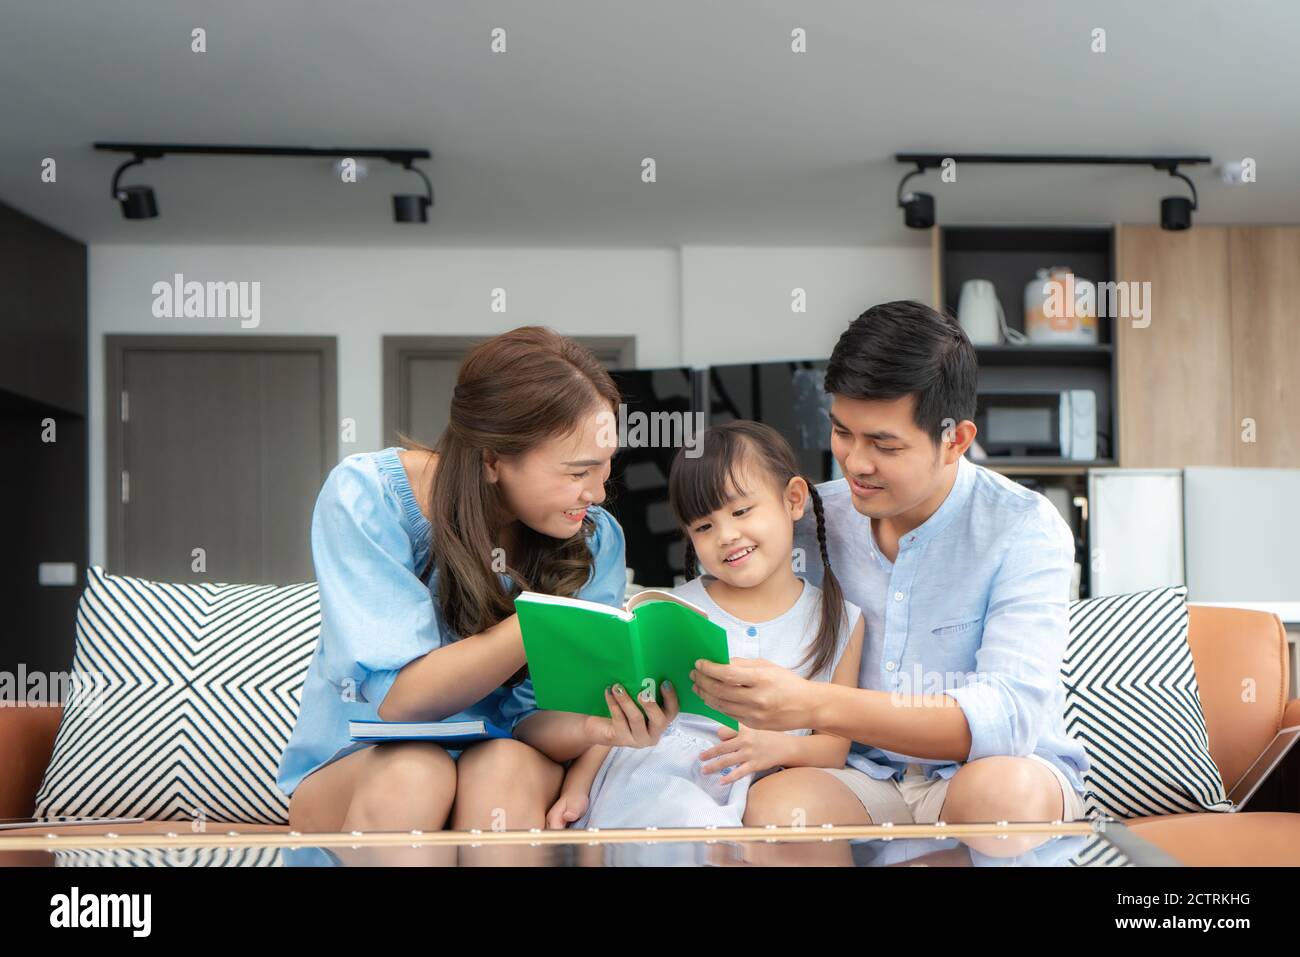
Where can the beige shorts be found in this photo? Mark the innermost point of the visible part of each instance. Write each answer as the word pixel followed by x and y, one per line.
pixel 914 800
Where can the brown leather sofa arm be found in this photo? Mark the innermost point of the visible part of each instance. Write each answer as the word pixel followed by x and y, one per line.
pixel 26 743
pixel 1291 714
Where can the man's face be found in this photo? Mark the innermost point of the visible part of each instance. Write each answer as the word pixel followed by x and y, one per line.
pixel 891 465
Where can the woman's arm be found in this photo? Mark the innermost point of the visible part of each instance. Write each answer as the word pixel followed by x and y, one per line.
pixel 449 679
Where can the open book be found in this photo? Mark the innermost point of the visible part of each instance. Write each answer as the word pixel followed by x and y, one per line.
pixel 576 649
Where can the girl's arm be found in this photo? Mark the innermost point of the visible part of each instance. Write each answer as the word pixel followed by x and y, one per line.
pixel 563 735
pixel 576 792
pixel 820 749
pixel 582 772
pixel 750 750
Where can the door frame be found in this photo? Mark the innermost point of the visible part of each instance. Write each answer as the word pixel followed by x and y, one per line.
pixel 619 351
pixel 116 348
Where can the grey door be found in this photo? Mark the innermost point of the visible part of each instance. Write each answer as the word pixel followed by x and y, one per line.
pixel 217 455
pixel 420 376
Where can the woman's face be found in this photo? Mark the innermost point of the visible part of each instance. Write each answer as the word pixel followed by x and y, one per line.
pixel 751 536
pixel 549 487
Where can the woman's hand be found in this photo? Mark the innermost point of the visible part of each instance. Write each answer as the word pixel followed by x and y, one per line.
pixel 566 809
pixel 627 726
pixel 757 692
pixel 745 752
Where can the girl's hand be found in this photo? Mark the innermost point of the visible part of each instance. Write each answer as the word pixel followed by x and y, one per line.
pixel 566 809
pixel 745 752
pixel 627 726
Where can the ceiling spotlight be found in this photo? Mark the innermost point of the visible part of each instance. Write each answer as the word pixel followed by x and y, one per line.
pixel 138 202
pixel 918 208
pixel 412 207
pixel 1176 211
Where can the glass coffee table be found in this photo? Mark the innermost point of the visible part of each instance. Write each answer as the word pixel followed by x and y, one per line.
pixel 1097 842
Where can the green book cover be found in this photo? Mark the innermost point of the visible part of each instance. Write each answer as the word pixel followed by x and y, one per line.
pixel 576 649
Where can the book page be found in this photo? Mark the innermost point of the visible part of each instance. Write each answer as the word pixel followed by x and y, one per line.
pixel 654 594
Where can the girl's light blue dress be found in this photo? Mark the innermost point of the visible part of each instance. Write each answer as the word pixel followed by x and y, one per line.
pixel 369 543
pixel 663 786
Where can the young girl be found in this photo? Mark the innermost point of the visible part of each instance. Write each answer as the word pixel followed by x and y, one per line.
pixel 737 503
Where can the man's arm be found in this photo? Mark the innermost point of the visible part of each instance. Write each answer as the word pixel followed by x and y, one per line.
pixel 1000 710
pixel 1003 706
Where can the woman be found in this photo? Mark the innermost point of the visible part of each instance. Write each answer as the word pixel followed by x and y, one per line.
pixel 417 619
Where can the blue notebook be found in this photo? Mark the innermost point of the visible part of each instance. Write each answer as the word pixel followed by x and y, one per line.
pixel 443 732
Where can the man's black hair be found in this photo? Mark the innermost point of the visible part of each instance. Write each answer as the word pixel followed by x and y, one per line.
pixel 906 348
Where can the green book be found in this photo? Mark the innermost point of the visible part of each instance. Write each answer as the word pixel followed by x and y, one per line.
pixel 576 649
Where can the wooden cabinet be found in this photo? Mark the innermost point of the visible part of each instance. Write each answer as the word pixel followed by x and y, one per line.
pixel 1264 263
pixel 1175 363
pixel 1220 347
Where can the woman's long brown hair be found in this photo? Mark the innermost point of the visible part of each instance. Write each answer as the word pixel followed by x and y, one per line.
pixel 700 486
pixel 513 392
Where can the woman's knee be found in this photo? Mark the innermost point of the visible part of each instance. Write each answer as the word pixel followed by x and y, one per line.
pixel 405 780
pixel 505 784
pixel 507 763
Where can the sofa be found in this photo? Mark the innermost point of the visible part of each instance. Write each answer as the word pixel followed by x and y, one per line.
pixel 1227 644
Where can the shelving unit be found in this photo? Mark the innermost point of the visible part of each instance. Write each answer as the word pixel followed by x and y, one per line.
pixel 1008 256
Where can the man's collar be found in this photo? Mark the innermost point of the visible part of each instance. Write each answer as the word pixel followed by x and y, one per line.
pixel 955 501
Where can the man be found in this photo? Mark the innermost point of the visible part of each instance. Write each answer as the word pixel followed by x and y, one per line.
pixel 963 577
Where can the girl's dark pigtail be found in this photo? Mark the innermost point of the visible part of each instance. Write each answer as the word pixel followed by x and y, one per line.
pixel 691 564
pixel 822 653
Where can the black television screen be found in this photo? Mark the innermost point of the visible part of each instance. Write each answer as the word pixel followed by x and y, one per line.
pixel 659 415
pixel 789 397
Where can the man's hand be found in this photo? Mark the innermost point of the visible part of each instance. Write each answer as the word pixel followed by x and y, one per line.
pixel 759 693
pixel 745 752
pixel 627 726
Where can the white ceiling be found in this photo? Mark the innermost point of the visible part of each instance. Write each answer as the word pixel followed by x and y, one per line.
pixel 542 145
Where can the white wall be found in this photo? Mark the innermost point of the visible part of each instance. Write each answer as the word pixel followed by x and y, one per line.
pixel 737 302
pixel 694 306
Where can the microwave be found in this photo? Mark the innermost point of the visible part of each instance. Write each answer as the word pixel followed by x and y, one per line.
pixel 1029 423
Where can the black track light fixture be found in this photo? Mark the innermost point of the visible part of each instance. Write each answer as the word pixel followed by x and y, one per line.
pixel 412 207
pixel 139 202
pixel 918 208
pixel 1176 211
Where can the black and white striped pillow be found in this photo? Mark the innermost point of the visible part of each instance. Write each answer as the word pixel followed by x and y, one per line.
pixel 1132 702
pixel 183 698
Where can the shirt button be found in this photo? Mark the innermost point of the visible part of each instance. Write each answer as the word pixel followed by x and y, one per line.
pixel 752 631
pixel 889 666
pixel 898 596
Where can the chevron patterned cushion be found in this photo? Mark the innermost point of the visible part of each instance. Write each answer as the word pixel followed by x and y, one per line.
pixel 1132 702
pixel 191 692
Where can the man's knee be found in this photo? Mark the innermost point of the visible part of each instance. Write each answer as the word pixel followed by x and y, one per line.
pixel 799 797
pixel 1002 788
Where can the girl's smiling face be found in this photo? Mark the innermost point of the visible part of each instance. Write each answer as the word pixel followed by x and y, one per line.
pixel 751 536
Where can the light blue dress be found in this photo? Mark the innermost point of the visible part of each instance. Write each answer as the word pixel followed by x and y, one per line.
pixel 369 543
pixel 664 786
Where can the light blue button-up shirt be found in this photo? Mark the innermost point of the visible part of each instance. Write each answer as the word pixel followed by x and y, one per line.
pixel 369 542
pixel 975 606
